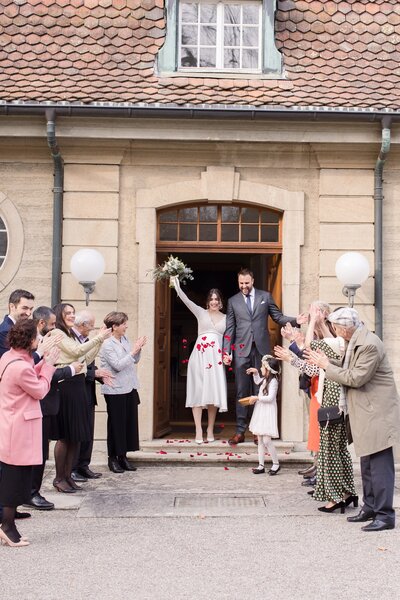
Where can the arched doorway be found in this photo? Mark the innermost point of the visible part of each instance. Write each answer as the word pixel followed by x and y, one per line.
pixel 215 240
pixel 214 185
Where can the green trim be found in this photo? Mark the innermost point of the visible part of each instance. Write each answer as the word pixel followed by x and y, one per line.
pixel 167 56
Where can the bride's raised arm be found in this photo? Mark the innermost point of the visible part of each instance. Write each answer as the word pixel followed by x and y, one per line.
pixel 194 308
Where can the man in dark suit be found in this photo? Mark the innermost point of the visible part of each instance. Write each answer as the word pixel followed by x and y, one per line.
pixel 20 306
pixel 84 324
pixel 45 322
pixel 247 336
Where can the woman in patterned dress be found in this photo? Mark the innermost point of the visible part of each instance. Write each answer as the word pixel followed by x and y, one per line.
pixel 335 479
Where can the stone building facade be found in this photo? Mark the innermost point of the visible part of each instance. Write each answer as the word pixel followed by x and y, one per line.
pixel 142 137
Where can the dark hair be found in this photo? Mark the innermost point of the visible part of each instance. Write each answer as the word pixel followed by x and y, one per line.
pixel 210 294
pixel 245 271
pixel 16 295
pixel 275 364
pixel 58 310
pixel 115 318
pixel 42 313
pixel 22 334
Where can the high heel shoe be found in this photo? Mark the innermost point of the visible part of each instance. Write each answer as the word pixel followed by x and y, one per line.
pixel 351 499
pixel 73 485
pixel 331 509
pixel 5 541
pixel 62 486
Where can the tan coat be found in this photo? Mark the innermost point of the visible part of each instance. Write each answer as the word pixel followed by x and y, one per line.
pixel 372 398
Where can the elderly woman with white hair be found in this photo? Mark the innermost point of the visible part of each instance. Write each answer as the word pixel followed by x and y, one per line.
pixel 370 396
pixel 335 478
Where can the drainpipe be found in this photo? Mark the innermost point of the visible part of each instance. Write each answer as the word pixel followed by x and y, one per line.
pixel 58 191
pixel 378 238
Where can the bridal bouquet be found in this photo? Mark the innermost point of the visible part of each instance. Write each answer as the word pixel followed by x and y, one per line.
pixel 173 267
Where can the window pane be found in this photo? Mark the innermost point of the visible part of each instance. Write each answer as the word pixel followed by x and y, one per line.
pixel 250 59
pixel 208 35
pixel 230 233
pixel 230 214
pixel 208 213
pixel 249 233
pixel 3 243
pixel 250 215
pixel 189 35
pixel 269 233
pixel 232 13
pixel 208 13
pixel 168 233
pixel 250 37
pixel 188 214
pixel 189 13
pixel 167 217
pixel 250 13
pixel 189 57
pixel 187 233
pixel 269 216
pixel 232 36
pixel 2 224
pixel 231 59
pixel 207 57
pixel 208 233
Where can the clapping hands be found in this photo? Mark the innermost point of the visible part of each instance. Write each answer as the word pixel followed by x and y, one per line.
pixel 138 345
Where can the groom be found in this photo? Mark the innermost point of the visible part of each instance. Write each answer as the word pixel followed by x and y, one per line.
pixel 247 336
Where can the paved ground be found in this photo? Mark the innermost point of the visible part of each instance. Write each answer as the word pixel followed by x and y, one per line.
pixel 179 532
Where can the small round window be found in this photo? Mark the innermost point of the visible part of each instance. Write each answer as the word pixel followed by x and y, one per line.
pixel 3 241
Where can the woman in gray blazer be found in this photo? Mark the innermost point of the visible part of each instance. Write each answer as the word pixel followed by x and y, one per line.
pixel 122 397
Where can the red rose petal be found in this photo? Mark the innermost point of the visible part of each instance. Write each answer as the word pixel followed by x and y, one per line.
pixel 227 337
pixel 204 337
pixel 226 468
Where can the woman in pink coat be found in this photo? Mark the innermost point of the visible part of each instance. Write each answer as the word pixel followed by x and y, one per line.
pixel 22 386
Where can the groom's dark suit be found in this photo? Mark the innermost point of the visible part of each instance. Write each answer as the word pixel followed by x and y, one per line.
pixel 248 337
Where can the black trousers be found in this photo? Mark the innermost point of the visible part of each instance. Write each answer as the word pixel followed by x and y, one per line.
pixel 377 472
pixel 245 386
pixel 38 470
pixel 84 455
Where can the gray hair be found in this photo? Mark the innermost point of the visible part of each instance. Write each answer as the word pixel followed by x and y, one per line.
pixel 84 317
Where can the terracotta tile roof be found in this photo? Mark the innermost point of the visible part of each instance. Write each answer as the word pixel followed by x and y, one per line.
pixel 335 53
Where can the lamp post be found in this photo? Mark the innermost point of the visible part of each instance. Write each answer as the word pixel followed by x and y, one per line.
pixel 352 270
pixel 87 266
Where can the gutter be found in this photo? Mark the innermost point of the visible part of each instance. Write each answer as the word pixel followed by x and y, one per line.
pixel 58 195
pixel 378 227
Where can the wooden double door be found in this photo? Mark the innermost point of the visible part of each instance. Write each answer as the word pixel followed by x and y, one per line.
pixel 176 327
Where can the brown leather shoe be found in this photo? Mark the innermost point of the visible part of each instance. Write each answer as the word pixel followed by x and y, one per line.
pixel 238 438
pixel 255 439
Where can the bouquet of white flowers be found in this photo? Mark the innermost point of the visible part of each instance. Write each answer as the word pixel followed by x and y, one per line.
pixel 173 267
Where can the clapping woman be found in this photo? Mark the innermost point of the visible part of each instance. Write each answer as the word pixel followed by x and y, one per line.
pixel 122 398
pixel 22 386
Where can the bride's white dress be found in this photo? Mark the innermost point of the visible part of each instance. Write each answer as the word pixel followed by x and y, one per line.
pixel 206 379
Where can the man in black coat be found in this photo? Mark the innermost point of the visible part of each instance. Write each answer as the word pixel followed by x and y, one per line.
pixel 248 337
pixel 20 306
pixel 45 322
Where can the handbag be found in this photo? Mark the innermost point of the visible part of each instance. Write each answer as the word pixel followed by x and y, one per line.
pixel 330 415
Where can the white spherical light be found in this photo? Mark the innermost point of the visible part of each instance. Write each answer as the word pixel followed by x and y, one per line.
pixel 352 268
pixel 87 264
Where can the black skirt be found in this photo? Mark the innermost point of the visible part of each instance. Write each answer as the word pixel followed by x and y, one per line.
pixel 15 484
pixel 122 423
pixel 73 420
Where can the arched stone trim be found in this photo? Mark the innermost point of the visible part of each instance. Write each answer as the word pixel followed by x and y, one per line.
pixel 222 184
pixel 11 264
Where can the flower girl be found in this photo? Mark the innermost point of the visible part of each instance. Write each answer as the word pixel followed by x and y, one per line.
pixel 264 422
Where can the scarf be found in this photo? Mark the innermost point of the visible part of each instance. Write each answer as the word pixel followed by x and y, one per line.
pixel 337 344
pixel 346 362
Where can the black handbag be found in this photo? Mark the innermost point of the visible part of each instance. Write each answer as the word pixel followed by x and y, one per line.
pixel 331 415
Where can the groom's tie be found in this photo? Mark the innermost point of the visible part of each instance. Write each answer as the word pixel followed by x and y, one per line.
pixel 248 302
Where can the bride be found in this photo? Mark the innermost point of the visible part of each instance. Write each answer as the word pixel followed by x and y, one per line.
pixel 206 380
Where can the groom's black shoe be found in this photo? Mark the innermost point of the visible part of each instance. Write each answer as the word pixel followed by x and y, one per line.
pixel 378 525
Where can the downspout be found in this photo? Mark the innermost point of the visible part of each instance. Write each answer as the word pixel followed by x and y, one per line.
pixel 378 237
pixel 58 193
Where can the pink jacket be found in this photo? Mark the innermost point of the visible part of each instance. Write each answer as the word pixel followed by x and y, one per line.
pixel 21 387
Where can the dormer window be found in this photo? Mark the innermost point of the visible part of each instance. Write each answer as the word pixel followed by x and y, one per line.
pixel 220 35
pixel 220 38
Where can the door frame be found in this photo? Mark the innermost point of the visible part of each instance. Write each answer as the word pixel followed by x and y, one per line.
pixel 214 185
